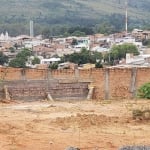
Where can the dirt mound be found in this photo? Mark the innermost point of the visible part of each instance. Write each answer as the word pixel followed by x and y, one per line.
pixel 84 120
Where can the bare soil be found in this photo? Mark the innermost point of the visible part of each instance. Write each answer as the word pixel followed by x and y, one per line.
pixel 88 125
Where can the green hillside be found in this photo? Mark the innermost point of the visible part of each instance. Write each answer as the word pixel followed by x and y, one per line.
pixel 16 14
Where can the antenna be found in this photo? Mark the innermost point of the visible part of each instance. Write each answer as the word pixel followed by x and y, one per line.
pixel 126 16
pixel 31 29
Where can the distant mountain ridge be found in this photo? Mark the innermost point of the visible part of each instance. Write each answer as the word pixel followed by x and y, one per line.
pixel 69 12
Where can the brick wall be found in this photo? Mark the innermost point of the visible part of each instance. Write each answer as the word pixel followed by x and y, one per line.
pixel 38 89
pixel 110 83
pixel 119 83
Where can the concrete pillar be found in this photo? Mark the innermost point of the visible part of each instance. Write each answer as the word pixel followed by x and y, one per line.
pixel 77 75
pixel 91 91
pixel 23 74
pixel 7 96
pixel 107 96
pixel 133 82
pixel 49 97
pixel 49 74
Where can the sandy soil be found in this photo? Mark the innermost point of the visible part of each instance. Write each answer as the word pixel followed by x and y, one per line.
pixel 57 125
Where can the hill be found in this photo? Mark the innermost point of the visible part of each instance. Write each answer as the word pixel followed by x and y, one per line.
pixel 15 14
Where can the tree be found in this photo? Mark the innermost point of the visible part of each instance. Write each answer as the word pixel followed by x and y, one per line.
pixel 12 50
pixel 84 30
pixel 16 46
pixel 78 33
pixel 74 42
pixel 17 63
pixel 3 58
pixel 146 42
pixel 21 58
pixel 36 60
pixel 98 65
pixel 24 54
pixel 83 57
pixel 119 52
pixel 46 33
pixel 53 66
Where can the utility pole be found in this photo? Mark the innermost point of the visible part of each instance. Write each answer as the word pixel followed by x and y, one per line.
pixel 126 16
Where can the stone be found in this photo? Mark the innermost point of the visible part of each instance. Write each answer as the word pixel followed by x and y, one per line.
pixel 72 148
pixel 135 148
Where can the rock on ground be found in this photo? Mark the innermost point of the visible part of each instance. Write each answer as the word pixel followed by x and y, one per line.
pixel 72 148
pixel 135 148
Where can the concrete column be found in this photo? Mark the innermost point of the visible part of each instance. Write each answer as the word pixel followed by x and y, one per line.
pixel 48 78
pixel 7 96
pixel 77 75
pixel 107 96
pixel 91 91
pixel 49 74
pixel 23 74
pixel 133 82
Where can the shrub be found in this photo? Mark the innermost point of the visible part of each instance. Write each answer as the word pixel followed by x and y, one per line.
pixel 53 66
pixel 98 65
pixel 144 91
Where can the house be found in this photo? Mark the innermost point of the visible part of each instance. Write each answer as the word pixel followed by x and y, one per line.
pixel 67 65
pixel 43 50
pixel 49 61
pixel 141 60
pixel 82 42
pixel 141 34
pixel 87 66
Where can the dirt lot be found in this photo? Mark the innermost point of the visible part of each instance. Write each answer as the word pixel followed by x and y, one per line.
pixel 87 125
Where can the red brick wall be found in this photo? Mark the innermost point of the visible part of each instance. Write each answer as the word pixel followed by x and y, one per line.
pixel 143 76
pixel 35 74
pixel 98 77
pixel 119 83
pixel 66 73
pixel 119 79
pixel 10 73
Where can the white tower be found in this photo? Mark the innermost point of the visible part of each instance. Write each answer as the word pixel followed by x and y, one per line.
pixel 31 29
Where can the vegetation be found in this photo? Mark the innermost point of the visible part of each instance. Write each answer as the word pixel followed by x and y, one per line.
pixel 144 91
pixel 98 65
pixel 36 60
pixel 12 49
pixel 146 42
pixel 21 59
pixel 83 57
pixel 74 42
pixel 53 66
pixel 118 52
pixel 3 58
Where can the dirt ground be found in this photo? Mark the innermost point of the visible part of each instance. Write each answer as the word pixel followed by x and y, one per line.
pixel 88 125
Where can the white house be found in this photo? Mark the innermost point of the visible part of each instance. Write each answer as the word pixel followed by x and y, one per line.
pixel 49 61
